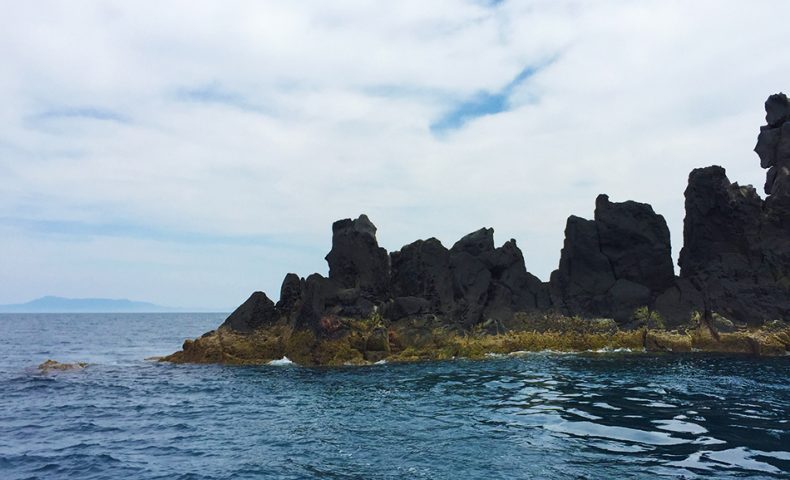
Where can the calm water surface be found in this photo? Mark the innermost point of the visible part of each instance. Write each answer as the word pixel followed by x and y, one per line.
pixel 537 416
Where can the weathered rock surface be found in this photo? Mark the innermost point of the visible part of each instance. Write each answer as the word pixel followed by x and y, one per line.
pixel 356 260
pixel 736 250
pixel 614 264
pixel 422 269
pixel 255 312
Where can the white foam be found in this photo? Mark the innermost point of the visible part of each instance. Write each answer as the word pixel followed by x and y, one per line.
pixel 283 362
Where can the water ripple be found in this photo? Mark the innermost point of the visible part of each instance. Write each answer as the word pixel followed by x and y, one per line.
pixel 527 416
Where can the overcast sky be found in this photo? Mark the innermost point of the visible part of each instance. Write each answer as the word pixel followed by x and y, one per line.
pixel 188 153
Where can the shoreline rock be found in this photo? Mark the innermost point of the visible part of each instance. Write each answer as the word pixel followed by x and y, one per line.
pixel 367 342
pixel 615 286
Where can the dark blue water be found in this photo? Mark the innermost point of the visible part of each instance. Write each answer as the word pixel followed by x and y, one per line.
pixel 536 416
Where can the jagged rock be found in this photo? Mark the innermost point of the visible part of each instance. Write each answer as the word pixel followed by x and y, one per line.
pixel 476 243
pixel 721 226
pixel 735 272
pixel 492 283
pixel 513 288
pixel 613 264
pixel 636 241
pixel 471 280
pixel 318 292
pixel 777 109
pixel 290 293
pixel 356 260
pixel 256 312
pixel 422 269
pixel 736 249
pixel 773 148
pixel 584 275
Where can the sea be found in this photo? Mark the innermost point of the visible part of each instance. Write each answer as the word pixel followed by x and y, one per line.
pixel 594 415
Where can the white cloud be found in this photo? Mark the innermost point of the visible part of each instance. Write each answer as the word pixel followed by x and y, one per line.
pixel 272 120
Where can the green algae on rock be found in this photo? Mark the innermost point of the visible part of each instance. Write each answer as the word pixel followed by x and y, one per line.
pixel 358 342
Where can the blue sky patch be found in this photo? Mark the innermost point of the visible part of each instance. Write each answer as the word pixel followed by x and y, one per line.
pixel 482 104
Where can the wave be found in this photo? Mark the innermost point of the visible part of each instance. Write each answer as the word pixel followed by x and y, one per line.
pixel 283 362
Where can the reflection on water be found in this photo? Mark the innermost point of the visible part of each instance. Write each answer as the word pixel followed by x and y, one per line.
pixel 615 415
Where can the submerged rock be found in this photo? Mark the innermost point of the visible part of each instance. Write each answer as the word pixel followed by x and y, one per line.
pixel 52 365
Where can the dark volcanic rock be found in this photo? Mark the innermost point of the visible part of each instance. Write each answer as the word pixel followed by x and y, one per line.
pixel 470 282
pixel 513 288
pixel 735 264
pixel 721 227
pixel 402 307
pixel 777 110
pixel 290 293
pixel 319 294
pixel 256 312
pixel 614 264
pixel 492 283
pixel 636 241
pixel 584 275
pixel 736 249
pixel 476 243
pixel 356 260
pixel 773 148
pixel 422 269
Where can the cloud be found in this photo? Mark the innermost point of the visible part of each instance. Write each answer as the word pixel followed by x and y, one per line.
pixel 90 113
pixel 146 148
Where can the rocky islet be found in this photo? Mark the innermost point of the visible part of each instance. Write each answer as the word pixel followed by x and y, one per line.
pixel 615 285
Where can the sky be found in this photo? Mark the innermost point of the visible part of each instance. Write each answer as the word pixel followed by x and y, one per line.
pixel 190 152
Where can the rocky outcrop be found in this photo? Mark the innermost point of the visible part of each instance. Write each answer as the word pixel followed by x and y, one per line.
pixel 736 251
pixel 773 145
pixel 471 282
pixel 615 264
pixel 254 313
pixel 734 276
pixel 421 271
pixel 356 261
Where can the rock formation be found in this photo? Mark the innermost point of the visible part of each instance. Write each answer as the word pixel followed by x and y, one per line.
pixel 615 264
pixel 734 273
pixel 736 250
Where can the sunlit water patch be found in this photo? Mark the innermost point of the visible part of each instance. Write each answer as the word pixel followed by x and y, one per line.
pixel 593 415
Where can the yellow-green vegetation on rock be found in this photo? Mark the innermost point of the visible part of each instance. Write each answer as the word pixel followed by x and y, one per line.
pixel 644 317
pixel 356 342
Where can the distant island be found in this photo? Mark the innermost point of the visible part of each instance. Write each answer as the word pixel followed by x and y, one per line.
pixel 614 288
pixel 51 304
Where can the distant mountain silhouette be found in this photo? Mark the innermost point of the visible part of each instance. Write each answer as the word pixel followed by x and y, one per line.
pixel 52 304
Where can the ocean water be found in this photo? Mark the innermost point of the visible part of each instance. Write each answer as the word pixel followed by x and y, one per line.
pixel 541 416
